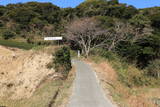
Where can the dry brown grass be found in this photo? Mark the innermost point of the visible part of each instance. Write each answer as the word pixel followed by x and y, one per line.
pixel 121 94
pixel 65 90
pixel 27 82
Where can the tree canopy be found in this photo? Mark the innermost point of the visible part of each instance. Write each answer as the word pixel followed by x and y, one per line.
pixel 135 32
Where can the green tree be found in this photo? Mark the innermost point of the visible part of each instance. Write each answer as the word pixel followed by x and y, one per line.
pixel 62 60
pixel 155 20
pixel 141 25
pixel 37 23
pixel 105 8
pixel 2 10
pixel 142 52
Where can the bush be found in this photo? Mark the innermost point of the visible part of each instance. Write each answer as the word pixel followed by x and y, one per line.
pixel 154 69
pixel 62 60
pixel 130 75
pixel 104 53
pixel 8 34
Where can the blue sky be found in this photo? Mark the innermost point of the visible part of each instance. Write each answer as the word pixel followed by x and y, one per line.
pixel 142 3
pixel 61 3
pixel 73 3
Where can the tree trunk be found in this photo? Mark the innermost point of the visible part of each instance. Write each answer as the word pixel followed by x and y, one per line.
pixel 111 47
pixel 87 54
pixel 158 74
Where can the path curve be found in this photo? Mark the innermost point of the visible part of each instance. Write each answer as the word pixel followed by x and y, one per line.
pixel 86 90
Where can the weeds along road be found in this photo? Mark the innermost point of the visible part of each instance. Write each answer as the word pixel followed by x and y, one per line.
pixel 86 90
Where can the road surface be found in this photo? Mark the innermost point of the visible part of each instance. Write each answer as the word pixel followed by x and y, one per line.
pixel 86 90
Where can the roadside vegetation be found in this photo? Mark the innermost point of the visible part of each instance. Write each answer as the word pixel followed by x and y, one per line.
pixel 61 61
pixel 126 37
pixel 128 85
pixel 128 73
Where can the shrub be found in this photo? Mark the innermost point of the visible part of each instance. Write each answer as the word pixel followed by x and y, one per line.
pixel 62 60
pixel 49 65
pixel 104 53
pixel 131 76
pixel 8 34
pixel 153 68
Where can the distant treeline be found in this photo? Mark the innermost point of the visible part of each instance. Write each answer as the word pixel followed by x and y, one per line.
pixel 136 32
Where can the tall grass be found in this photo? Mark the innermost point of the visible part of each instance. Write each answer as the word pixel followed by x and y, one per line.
pixel 41 97
pixel 131 87
pixel 128 73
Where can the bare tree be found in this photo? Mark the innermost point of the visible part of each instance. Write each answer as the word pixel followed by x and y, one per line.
pixel 125 32
pixel 87 34
pixel 119 33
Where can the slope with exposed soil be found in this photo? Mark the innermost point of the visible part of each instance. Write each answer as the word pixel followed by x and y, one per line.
pixel 21 71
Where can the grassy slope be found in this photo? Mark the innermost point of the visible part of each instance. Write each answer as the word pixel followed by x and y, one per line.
pixel 141 96
pixel 45 94
pixel 21 45
pixel 65 91
pixel 41 97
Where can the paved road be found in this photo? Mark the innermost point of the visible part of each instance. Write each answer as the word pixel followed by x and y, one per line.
pixel 86 90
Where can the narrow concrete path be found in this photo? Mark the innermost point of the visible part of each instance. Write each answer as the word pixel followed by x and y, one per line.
pixel 86 90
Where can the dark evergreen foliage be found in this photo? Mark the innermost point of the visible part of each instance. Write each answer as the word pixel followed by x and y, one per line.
pixel 62 60
pixel 33 19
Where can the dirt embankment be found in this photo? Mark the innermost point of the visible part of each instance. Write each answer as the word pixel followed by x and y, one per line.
pixel 21 72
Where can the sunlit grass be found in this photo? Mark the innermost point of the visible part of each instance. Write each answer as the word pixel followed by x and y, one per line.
pixel 15 44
